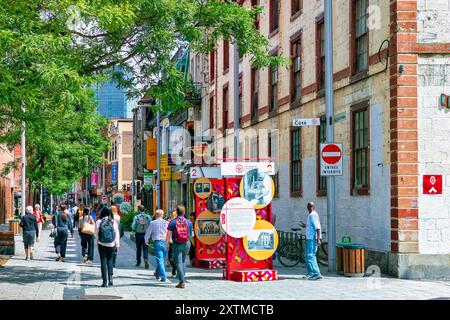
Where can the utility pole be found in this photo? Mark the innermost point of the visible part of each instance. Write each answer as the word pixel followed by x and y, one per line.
pixel 329 98
pixel 158 158
pixel 23 160
pixel 41 198
pixel 236 99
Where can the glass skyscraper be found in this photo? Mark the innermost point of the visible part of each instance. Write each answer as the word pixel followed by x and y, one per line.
pixel 112 101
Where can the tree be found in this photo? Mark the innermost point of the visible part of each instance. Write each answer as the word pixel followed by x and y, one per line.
pixel 53 52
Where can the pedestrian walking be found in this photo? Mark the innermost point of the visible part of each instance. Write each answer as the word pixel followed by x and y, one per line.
pixel 78 216
pixel 73 214
pixel 87 230
pixel 180 230
pixel 170 254
pixel 313 240
pixel 30 230
pixel 115 215
pixel 63 224
pixel 192 240
pixel 108 239
pixel 39 218
pixel 139 226
pixel 157 231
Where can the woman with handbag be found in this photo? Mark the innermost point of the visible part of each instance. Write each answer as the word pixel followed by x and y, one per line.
pixel 87 230
pixel 63 224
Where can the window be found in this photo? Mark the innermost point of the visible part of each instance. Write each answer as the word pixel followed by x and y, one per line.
pixel 360 148
pixel 254 88
pixel 296 76
pixel 295 161
pixel 320 54
pixel 273 88
pixel 211 112
pixel 212 65
pixel 273 154
pixel 274 15
pixel 225 109
pixel 296 6
pixel 360 35
pixel 226 55
pixel 322 138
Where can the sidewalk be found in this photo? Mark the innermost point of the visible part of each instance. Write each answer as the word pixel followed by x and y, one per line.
pixel 44 278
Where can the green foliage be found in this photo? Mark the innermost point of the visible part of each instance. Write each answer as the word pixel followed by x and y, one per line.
pixel 53 52
pixel 128 220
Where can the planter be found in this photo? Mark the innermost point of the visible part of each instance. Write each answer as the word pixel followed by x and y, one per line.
pixel 15 227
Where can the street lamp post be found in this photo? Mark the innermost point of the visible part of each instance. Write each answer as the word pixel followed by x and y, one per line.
pixel 329 99
pixel 236 99
pixel 23 160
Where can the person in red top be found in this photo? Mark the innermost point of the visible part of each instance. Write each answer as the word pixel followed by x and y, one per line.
pixel 39 218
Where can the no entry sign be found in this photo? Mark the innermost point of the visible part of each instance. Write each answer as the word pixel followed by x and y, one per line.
pixel 331 159
pixel 432 184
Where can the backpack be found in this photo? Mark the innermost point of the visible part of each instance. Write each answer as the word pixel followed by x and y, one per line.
pixel 142 223
pixel 181 232
pixel 106 233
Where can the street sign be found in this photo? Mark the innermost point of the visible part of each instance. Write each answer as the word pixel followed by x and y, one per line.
pixel 331 159
pixel 114 172
pixel 432 184
pixel 165 168
pixel 205 172
pixel 151 154
pixel 241 168
pixel 306 122
pixel 148 180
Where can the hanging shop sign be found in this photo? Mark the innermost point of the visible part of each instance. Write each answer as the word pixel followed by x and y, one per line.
pixel 152 156
pixel 331 155
pixel 238 217
pixel 165 168
pixel 207 228
pixel 94 178
pixel 258 188
pixel 148 180
pixel 241 168
pixel 262 242
pixel 202 188
pixel 114 172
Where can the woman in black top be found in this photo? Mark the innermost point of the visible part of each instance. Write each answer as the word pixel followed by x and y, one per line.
pixel 30 231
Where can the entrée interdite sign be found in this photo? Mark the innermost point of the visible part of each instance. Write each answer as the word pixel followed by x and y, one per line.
pixel 331 155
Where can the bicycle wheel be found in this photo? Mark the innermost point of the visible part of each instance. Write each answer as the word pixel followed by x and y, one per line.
pixel 289 255
pixel 322 254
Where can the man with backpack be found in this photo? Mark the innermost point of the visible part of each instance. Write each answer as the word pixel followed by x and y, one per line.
pixel 139 226
pixel 180 230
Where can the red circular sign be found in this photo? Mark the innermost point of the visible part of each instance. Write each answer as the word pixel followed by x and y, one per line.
pixel 239 168
pixel 332 154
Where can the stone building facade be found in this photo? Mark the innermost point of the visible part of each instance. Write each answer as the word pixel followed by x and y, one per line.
pixel 391 64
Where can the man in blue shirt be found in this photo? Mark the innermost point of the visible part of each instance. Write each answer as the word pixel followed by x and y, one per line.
pixel 139 226
pixel 313 241
pixel 180 230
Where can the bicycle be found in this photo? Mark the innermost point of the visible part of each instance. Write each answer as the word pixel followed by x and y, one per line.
pixel 291 254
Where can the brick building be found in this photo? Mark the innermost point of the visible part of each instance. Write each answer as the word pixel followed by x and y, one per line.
pixel 391 64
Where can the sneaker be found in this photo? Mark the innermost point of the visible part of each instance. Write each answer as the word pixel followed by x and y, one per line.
pixel 180 285
pixel 104 284
pixel 85 259
pixel 163 281
pixel 26 258
pixel 138 264
pixel 307 276
pixel 146 264
pixel 58 258
pixel 31 256
pixel 315 277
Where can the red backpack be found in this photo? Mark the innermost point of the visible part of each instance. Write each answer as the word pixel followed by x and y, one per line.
pixel 181 232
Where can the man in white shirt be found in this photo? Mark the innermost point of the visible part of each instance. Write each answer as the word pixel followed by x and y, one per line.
pixel 313 241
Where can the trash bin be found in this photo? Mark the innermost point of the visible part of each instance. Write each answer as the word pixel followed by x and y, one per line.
pixel 353 255
pixel 14 226
pixel 346 240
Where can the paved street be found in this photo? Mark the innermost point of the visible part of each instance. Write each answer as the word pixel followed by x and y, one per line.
pixel 44 278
